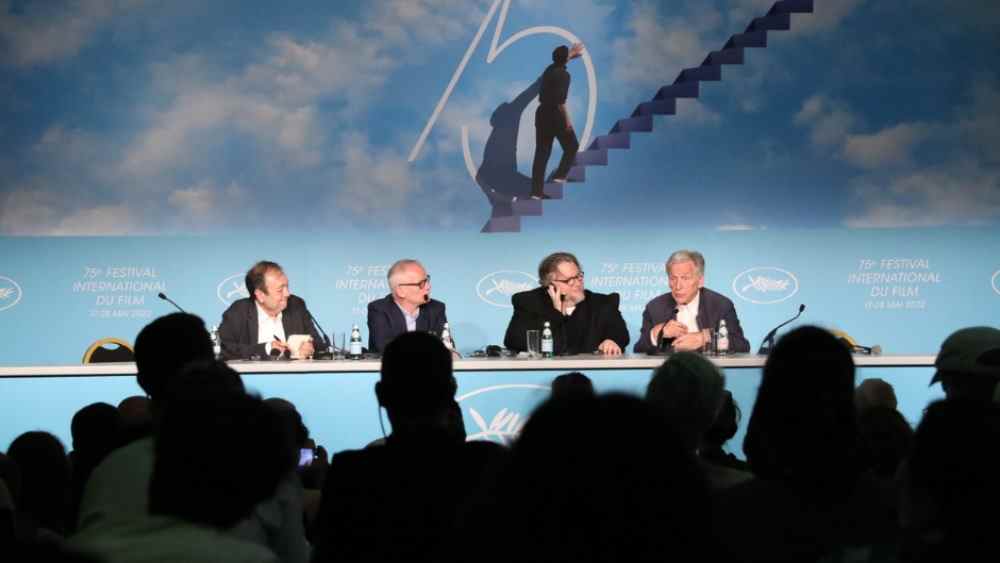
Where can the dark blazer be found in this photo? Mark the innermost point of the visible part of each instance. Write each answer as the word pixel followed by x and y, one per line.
pixel 238 331
pixel 712 308
pixel 597 315
pixel 386 321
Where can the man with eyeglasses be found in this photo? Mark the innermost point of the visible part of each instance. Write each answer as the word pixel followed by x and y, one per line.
pixel 407 308
pixel 581 321
pixel 676 321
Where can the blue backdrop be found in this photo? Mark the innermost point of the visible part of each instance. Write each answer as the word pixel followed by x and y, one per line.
pixel 844 154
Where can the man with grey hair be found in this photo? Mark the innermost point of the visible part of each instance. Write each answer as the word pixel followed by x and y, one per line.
pixel 675 321
pixel 407 308
pixel 581 321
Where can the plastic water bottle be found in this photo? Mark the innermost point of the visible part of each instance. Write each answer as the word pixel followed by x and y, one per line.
pixel 723 343
pixel 216 343
pixel 547 343
pixel 446 337
pixel 355 352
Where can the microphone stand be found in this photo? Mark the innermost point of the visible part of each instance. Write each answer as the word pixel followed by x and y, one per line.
pixel 164 297
pixel 328 354
pixel 768 342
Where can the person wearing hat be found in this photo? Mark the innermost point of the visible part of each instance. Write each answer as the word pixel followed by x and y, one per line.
pixel 968 365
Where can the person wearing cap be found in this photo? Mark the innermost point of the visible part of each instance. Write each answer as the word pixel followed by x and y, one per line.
pixel 408 308
pixel 968 365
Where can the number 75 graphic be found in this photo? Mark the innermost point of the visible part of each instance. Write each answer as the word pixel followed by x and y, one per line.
pixel 490 57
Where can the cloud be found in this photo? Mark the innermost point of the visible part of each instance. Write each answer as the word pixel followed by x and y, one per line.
pixel 34 211
pixel 374 184
pixel 963 188
pixel 827 14
pixel 206 206
pixel 377 186
pixel 829 121
pixel 741 227
pixel 40 33
pixel 979 122
pixel 690 110
pixel 890 146
pixel 658 47
pixel 277 98
pixel 959 193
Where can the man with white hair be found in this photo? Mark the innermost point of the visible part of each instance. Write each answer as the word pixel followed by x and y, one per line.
pixel 676 320
pixel 407 308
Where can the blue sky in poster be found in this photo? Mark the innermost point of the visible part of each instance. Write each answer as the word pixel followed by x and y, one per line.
pixel 141 117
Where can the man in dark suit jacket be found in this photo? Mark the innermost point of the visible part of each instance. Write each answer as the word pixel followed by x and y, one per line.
pixel 259 325
pixel 680 316
pixel 581 321
pixel 408 308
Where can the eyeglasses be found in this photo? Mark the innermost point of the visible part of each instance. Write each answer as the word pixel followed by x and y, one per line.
pixel 578 278
pixel 421 284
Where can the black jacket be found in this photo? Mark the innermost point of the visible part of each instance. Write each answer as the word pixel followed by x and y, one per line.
pixel 238 331
pixel 594 320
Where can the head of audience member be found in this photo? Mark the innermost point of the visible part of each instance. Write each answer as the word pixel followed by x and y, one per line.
pixel 218 451
pixel 43 497
pixel 267 285
pixel 726 424
pixel 206 378
pixel 572 384
pixel 874 392
pixel 8 510
pixel 95 429
pixel 287 411
pixel 166 345
pixel 135 411
pixel 968 364
pixel 950 485
pixel 560 55
pixel 563 271
pixel 803 429
pixel 416 387
pixel 687 389
pixel 410 284
pixel 886 437
pixel 685 274
pixel 589 475
pixel 10 475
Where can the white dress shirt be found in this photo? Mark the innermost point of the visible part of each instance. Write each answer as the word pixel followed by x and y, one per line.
pixel 688 314
pixel 411 320
pixel 268 328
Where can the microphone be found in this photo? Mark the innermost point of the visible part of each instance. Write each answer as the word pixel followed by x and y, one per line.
pixel 768 342
pixel 666 343
pixel 164 297
pixel 326 339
